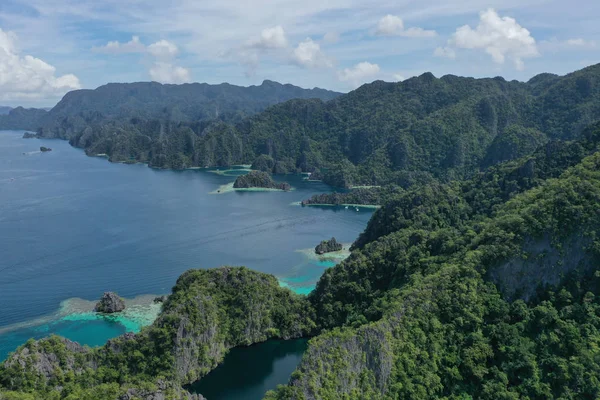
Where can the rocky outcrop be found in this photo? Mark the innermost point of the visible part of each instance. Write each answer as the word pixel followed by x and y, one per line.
pixel 45 149
pixel 30 135
pixel 48 358
pixel 110 303
pixel 541 264
pixel 259 179
pixel 328 246
pixel 164 391
pixel 340 362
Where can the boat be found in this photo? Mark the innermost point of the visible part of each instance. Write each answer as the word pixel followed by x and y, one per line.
pixel 357 209
pixel 346 207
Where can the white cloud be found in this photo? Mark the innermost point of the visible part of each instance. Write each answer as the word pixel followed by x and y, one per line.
pixel 164 72
pixel 163 52
pixel 163 49
pixel 27 77
pixel 446 52
pixel 331 37
pixel 360 73
pixel 308 54
pixel 270 38
pixel 116 47
pixel 500 37
pixel 392 25
pixel 398 77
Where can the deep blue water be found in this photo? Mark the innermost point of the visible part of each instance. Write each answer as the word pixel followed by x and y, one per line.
pixel 248 372
pixel 73 226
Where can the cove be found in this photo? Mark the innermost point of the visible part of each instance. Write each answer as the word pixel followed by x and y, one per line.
pixel 73 226
pixel 247 373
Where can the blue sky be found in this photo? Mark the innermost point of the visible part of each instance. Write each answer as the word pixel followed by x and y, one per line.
pixel 48 47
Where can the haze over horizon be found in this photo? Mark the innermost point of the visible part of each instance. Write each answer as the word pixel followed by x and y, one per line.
pixel 50 48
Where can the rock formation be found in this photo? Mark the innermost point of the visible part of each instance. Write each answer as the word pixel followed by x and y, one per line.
pixel 45 149
pixel 110 303
pixel 259 179
pixel 328 246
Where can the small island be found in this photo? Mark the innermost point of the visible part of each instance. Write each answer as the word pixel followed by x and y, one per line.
pixel 328 246
pixel 259 179
pixel 45 149
pixel 110 303
pixel 29 135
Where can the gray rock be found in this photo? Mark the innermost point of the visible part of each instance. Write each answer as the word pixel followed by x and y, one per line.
pixel 110 303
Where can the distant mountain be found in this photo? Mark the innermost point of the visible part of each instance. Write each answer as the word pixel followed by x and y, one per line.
pixel 124 102
pixel 380 133
pixel 4 110
pixel 22 118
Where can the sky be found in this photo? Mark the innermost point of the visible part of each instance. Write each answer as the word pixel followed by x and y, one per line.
pixel 49 47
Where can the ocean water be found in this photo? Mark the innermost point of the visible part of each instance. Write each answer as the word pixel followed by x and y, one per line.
pixel 72 227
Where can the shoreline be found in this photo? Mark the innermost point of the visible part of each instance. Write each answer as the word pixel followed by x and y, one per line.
pixel 140 311
pixel 368 206
pixel 228 188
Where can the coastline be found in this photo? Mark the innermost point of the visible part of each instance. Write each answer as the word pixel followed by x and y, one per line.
pixel 369 206
pixel 228 188
pixel 140 311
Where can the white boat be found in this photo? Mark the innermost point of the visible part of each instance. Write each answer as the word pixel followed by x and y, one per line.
pixel 346 207
pixel 357 209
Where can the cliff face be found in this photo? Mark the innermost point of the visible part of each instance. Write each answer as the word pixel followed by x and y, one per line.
pixel 110 303
pixel 209 312
pixel 483 306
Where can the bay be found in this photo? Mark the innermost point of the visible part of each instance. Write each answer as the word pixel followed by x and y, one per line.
pixel 73 226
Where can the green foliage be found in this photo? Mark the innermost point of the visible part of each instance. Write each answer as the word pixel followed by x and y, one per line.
pixel 208 312
pixel 440 328
pixel 381 133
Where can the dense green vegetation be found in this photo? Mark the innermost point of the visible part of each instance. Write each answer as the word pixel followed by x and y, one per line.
pixel 208 312
pixel 382 133
pixel 364 196
pixel 328 246
pixel 445 297
pixel 259 179
pixel 477 279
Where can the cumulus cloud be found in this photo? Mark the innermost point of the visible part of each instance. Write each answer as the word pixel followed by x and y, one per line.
pixel 308 54
pixel 163 49
pixel 116 47
pixel 398 77
pixel 270 38
pixel 392 25
pixel 164 52
pixel 165 72
pixel 500 37
pixel 27 77
pixel 360 73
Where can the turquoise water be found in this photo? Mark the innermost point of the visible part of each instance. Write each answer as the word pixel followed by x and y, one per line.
pixel 72 227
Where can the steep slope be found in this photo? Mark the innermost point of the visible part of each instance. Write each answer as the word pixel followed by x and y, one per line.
pixel 402 133
pixel 194 102
pixel 22 118
pixel 208 312
pixel 454 321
